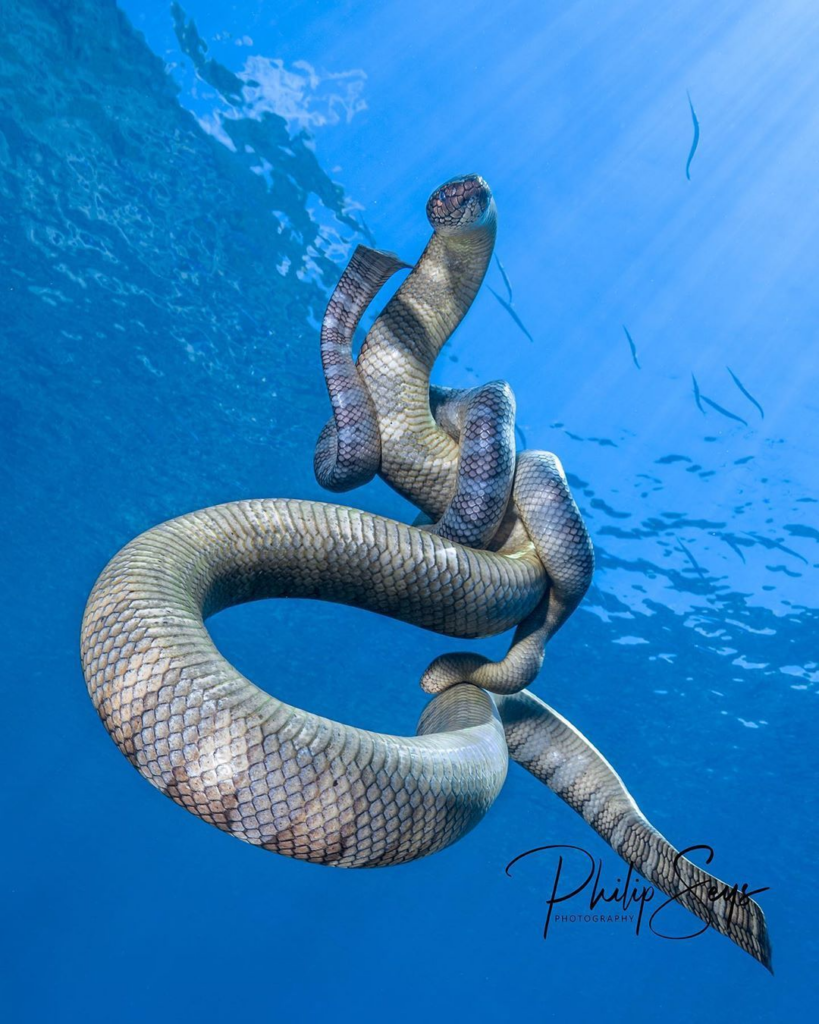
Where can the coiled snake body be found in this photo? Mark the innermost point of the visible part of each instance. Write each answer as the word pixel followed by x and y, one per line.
pixel 500 543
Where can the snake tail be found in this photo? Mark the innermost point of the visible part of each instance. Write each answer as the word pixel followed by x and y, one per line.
pixel 556 753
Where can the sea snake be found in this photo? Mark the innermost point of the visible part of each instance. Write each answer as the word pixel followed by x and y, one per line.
pixel 499 543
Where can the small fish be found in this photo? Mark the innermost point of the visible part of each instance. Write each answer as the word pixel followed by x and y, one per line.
pixel 696 141
pixel 745 392
pixel 733 545
pixel 725 412
pixel 766 542
pixel 691 559
pixel 521 435
pixel 505 279
pixel 697 395
pixel 508 307
pixel 632 346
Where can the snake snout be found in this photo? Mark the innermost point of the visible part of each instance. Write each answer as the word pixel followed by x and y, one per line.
pixel 459 204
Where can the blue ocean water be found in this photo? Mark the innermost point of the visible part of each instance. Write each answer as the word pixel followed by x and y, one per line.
pixel 179 190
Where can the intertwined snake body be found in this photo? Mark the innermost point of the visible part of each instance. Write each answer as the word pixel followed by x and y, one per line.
pixel 501 543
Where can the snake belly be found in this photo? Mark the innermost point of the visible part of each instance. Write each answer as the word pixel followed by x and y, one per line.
pixel 501 544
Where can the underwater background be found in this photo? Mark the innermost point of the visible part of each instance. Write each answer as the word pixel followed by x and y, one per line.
pixel 180 187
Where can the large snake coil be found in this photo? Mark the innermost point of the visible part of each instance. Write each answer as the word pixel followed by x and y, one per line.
pixel 499 543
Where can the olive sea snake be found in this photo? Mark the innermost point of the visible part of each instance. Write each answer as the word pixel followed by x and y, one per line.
pixel 499 543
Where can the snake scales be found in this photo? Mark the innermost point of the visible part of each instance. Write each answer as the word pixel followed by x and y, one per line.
pixel 499 543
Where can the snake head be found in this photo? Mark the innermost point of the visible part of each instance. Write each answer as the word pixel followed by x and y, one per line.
pixel 460 204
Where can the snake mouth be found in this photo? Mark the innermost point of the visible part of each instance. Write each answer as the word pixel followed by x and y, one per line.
pixel 459 204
